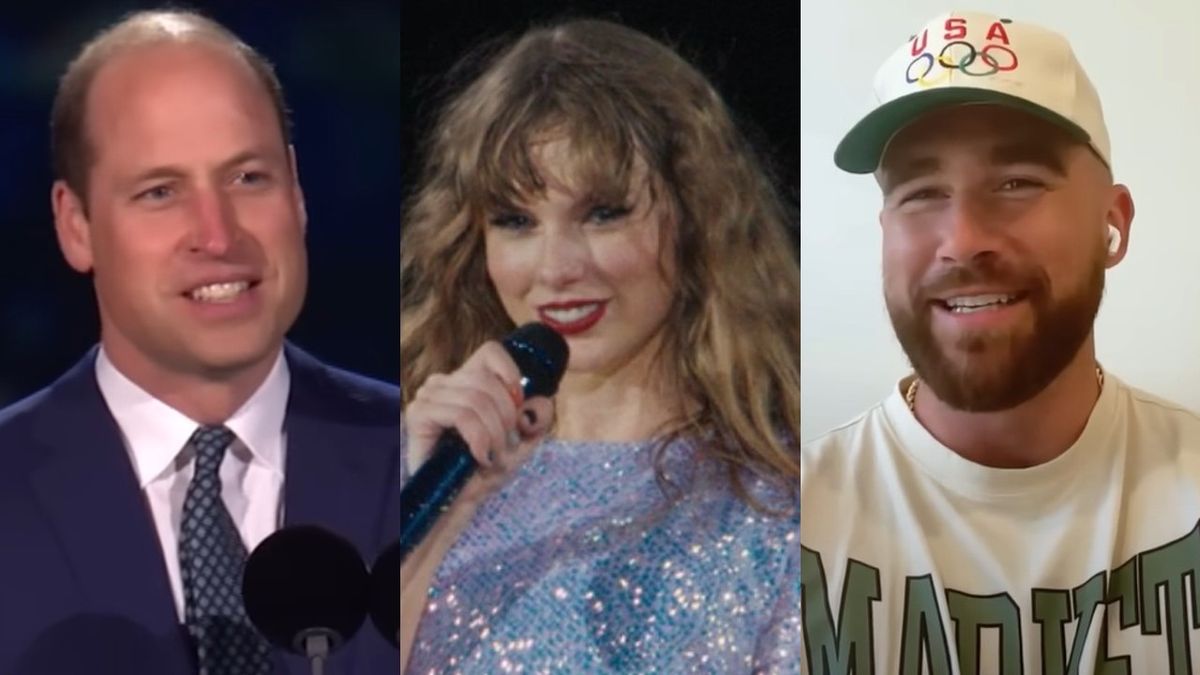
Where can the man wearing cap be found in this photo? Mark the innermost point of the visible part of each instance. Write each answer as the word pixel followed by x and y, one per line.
pixel 1010 507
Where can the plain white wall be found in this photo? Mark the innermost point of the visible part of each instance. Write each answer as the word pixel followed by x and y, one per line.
pixel 1143 57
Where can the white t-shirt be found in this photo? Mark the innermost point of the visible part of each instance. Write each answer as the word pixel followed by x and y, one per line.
pixel 916 560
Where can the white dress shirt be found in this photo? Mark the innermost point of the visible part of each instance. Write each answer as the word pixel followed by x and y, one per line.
pixel 155 435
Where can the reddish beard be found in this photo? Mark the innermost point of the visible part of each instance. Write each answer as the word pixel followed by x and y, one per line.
pixel 989 371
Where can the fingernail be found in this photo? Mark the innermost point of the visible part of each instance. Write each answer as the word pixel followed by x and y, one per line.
pixel 514 439
pixel 530 417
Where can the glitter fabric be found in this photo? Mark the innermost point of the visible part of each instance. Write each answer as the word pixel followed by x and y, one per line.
pixel 578 566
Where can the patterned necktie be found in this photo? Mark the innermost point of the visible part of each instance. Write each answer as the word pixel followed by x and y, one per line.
pixel 211 559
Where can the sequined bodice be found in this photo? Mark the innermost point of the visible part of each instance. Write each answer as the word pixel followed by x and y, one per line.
pixel 578 566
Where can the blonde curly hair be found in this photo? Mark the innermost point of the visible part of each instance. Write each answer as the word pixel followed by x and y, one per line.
pixel 732 337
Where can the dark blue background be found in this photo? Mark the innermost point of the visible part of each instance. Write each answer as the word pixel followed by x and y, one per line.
pixel 340 67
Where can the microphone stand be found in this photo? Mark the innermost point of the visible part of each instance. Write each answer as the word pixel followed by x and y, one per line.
pixel 316 644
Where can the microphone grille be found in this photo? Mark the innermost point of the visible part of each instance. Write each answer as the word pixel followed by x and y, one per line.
pixel 302 578
pixel 541 354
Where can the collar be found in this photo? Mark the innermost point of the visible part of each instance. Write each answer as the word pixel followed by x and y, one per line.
pixel 155 433
pixel 1032 485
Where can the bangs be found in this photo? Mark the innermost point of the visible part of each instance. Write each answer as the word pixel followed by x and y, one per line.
pixel 604 143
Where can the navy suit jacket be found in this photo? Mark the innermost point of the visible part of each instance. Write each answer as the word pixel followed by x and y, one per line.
pixel 83 584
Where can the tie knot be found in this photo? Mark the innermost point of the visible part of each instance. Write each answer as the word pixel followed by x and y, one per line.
pixel 210 444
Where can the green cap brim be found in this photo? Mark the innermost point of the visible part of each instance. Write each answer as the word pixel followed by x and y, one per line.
pixel 863 146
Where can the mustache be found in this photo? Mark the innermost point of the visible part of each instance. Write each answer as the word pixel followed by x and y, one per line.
pixel 984 272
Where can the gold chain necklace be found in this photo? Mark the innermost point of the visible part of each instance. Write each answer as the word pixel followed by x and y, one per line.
pixel 910 395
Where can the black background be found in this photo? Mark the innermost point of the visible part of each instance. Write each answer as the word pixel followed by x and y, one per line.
pixel 749 50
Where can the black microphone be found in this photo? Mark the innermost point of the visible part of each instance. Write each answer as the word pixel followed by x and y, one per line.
pixel 305 589
pixel 541 355
pixel 385 594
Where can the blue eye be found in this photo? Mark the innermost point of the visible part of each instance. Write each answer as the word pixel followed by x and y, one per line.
pixel 251 177
pixel 605 213
pixel 511 221
pixel 157 193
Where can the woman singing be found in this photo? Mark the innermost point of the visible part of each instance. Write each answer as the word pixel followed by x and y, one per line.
pixel 646 520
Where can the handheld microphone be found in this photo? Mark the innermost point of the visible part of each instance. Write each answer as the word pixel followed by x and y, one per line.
pixel 541 355
pixel 305 589
pixel 385 594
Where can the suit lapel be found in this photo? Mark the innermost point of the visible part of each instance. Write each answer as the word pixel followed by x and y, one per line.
pixel 88 489
pixel 338 466
pixel 341 464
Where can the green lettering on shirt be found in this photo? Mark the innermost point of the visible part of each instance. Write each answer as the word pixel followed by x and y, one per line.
pixel 1166 567
pixel 847 646
pixel 970 613
pixel 924 633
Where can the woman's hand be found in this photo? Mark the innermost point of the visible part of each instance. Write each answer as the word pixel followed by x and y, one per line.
pixel 482 400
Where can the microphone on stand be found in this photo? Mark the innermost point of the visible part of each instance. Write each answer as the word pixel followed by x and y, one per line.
pixel 306 590
pixel 541 355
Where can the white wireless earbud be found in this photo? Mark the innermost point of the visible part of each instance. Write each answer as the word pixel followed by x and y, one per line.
pixel 1114 239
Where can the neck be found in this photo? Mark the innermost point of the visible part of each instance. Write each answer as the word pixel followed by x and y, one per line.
pixel 629 404
pixel 205 397
pixel 1029 434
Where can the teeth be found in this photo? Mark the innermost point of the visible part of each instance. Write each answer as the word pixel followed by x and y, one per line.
pixel 966 304
pixel 573 314
pixel 223 292
pixel 969 310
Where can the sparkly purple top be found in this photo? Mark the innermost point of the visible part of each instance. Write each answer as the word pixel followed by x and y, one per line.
pixel 578 566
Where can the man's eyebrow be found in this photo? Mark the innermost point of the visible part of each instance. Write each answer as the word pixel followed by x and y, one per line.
pixel 156 173
pixel 1044 154
pixel 253 154
pixel 906 170
pixel 172 172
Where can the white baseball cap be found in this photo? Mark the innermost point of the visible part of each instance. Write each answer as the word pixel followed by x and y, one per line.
pixel 971 57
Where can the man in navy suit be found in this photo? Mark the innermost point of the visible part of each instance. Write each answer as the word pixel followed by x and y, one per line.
pixel 133 486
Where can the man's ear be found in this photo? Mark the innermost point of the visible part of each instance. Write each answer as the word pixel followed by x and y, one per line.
pixel 1120 217
pixel 297 191
pixel 72 227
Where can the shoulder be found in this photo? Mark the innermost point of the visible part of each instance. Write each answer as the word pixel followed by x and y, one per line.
pixel 746 493
pixel 1151 405
pixel 1154 418
pixel 75 387
pixel 17 419
pixel 336 390
pixel 844 442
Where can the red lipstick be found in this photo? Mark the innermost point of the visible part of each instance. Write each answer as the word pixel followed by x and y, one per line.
pixel 574 326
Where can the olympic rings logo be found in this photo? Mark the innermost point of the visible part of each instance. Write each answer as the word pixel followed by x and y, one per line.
pixel 961 55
